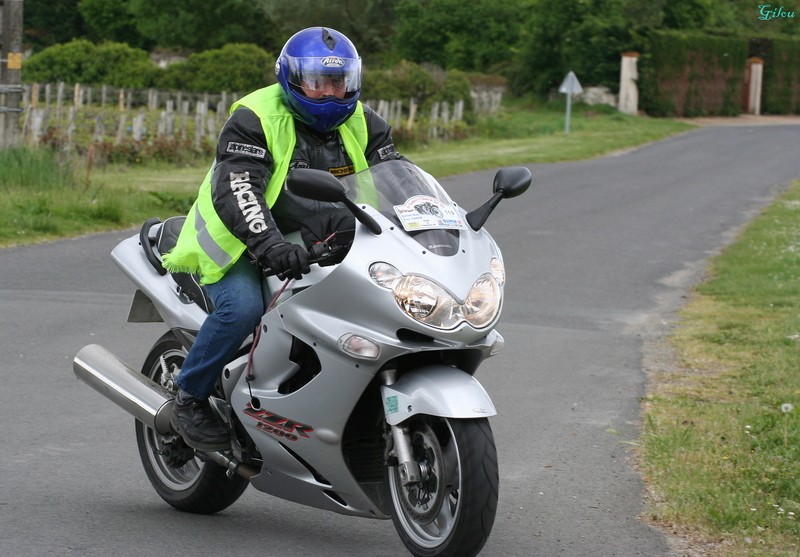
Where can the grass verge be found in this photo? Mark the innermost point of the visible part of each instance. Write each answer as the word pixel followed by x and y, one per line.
pixel 87 199
pixel 721 443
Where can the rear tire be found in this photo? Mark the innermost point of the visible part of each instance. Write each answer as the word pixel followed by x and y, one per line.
pixel 451 511
pixel 180 478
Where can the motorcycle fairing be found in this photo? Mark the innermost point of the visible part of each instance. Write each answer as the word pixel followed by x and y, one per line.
pixel 436 390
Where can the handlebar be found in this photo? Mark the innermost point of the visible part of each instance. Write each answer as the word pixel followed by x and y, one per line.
pixel 320 254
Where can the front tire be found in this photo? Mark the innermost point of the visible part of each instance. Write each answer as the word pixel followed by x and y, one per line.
pixel 451 510
pixel 180 478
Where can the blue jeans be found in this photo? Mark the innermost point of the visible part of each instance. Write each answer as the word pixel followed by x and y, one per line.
pixel 238 307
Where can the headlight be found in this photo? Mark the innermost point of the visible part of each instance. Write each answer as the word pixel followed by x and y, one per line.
pixel 498 271
pixel 418 296
pixel 483 302
pixel 385 275
pixel 428 302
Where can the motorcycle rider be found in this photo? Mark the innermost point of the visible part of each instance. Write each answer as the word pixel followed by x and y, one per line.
pixel 311 118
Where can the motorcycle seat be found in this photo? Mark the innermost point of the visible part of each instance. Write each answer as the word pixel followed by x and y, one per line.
pixel 165 239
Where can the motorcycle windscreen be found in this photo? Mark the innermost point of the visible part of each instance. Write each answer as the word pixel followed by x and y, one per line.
pixel 414 200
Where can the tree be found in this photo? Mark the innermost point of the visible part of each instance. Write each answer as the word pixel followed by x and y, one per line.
pixel 368 23
pixel 48 22
pixel 453 34
pixel 110 20
pixel 201 25
pixel 586 37
pixel 687 14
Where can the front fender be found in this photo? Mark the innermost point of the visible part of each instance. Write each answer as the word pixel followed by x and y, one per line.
pixel 436 390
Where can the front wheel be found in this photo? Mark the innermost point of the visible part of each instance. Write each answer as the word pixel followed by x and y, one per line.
pixel 451 510
pixel 181 479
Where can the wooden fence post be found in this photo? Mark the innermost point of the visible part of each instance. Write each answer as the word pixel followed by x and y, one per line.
pixel 73 113
pixel 138 126
pixel 59 100
pixel 433 130
pixel 123 117
pixel 34 98
pixel 99 129
pixel 200 115
pixel 412 114
pixel 37 121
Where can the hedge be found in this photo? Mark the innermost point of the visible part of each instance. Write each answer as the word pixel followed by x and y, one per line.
pixel 692 74
pixel 781 91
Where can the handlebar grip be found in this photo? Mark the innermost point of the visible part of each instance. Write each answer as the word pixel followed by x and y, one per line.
pixel 319 251
pixel 317 254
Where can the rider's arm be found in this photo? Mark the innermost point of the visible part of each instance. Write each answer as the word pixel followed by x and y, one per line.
pixel 242 169
pixel 380 145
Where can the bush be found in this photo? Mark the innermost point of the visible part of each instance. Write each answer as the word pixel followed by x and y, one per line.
pixel 122 66
pixel 456 87
pixel 81 61
pixel 63 62
pixel 234 67
pixel 404 81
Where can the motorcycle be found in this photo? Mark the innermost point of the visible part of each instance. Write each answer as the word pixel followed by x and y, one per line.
pixel 356 394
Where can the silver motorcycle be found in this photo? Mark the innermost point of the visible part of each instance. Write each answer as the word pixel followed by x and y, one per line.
pixel 356 394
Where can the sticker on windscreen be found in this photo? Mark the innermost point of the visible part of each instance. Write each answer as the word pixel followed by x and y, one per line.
pixel 423 212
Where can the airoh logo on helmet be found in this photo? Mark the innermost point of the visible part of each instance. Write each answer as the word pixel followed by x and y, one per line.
pixel 332 62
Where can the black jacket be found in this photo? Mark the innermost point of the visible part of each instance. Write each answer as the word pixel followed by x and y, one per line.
pixel 242 148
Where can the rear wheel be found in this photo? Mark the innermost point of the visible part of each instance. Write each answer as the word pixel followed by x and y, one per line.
pixel 180 478
pixel 451 510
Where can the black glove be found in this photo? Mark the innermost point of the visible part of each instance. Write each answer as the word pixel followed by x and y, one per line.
pixel 317 227
pixel 287 260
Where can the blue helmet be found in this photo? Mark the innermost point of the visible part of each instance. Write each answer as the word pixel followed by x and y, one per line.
pixel 320 72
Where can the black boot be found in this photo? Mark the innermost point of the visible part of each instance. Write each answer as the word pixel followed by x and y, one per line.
pixel 198 424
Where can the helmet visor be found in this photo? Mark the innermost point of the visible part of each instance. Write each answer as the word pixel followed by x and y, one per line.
pixel 340 76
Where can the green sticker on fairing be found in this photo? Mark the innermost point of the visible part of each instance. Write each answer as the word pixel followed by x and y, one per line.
pixel 391 404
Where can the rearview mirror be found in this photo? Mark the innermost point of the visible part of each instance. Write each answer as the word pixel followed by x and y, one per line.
pixel 512 181
pixel 508 182
pixel 318 185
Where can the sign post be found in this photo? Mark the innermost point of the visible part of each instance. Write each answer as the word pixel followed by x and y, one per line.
pixel 570 86
pixel 10 71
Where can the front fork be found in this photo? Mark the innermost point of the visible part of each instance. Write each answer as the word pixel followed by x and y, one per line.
pixel 407 466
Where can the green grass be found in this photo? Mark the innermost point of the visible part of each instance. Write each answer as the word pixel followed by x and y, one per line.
pixel 721 446
pixel 54 199
pixel 44 198
pixel 521 134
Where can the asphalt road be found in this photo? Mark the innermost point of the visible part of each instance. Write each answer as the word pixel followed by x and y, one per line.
pixel 598 253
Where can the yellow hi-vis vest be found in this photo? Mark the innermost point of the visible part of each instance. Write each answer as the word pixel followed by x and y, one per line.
pixel 205 245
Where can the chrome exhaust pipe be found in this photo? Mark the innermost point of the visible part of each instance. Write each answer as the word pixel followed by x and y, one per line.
pixel 135 393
